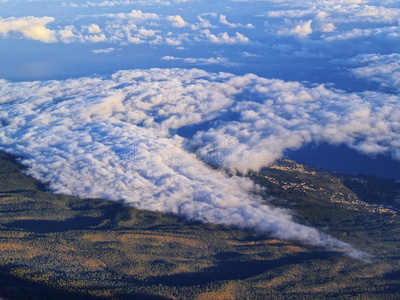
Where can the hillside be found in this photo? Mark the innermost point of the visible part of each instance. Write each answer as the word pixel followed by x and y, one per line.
pixel 56 245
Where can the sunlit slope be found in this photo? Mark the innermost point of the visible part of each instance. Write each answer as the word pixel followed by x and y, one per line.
pixel 65 246
pixel 361 210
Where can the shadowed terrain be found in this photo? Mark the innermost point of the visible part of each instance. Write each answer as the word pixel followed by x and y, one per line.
pixel 87 248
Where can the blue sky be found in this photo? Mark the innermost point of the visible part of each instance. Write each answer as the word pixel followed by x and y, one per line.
pixel 316 41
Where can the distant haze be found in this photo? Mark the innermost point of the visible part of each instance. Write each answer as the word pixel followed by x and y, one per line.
pixel 343 159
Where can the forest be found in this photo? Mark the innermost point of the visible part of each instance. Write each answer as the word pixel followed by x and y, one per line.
pixel 67 247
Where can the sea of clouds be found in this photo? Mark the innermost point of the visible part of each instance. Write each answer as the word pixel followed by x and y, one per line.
pixel 116 137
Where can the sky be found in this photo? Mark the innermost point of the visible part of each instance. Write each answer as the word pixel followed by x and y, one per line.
pixel 321 41
pixel 163 103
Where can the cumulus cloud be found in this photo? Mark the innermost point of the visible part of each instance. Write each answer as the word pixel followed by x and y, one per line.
pixel 384 69
pixel 93 28
pixel 288 115
pixel 29 27
pixel 124 28
pixel 204 22
pixel 224 38
pixel 223 20
pixel 335 25
pixel 135 16
pixel 303 29
pixel 115 138
pixel 177 21
pixel 325 27
pixel 339 12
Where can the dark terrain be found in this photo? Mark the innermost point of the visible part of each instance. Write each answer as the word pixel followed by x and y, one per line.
pixel 56 246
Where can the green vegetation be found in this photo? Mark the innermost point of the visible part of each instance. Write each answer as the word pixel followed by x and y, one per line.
pixel 68 247
pixel 337 203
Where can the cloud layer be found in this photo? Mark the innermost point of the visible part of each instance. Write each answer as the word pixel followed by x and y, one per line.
pixel 384 69
pixel 124 28
pixel 275 116
pixel 116 138
pixel 312 32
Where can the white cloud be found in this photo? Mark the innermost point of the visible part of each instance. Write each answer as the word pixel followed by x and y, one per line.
pixel 302 30
pixel 102 51
pixel 222 20
pixel 177 21
pixel 321 21
pixel 145 33
pixel 134 27
pixel 203 22
pixel 354 24
pixel 247 54
pixel 113 3
pixel 168 57
pixel 93 29
pixel 29 27
pixel 70 34
pixel 176 40
pixel 224 38
pixel 387 32
pixel 306 2
pixel 96 38
pixel 290 115
pixel 110 138
pixel 327 27
pixel 95 34
pixel 384 69
pixel 135 16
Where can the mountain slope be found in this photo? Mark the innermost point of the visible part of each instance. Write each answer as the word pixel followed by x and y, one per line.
pixel 62 245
